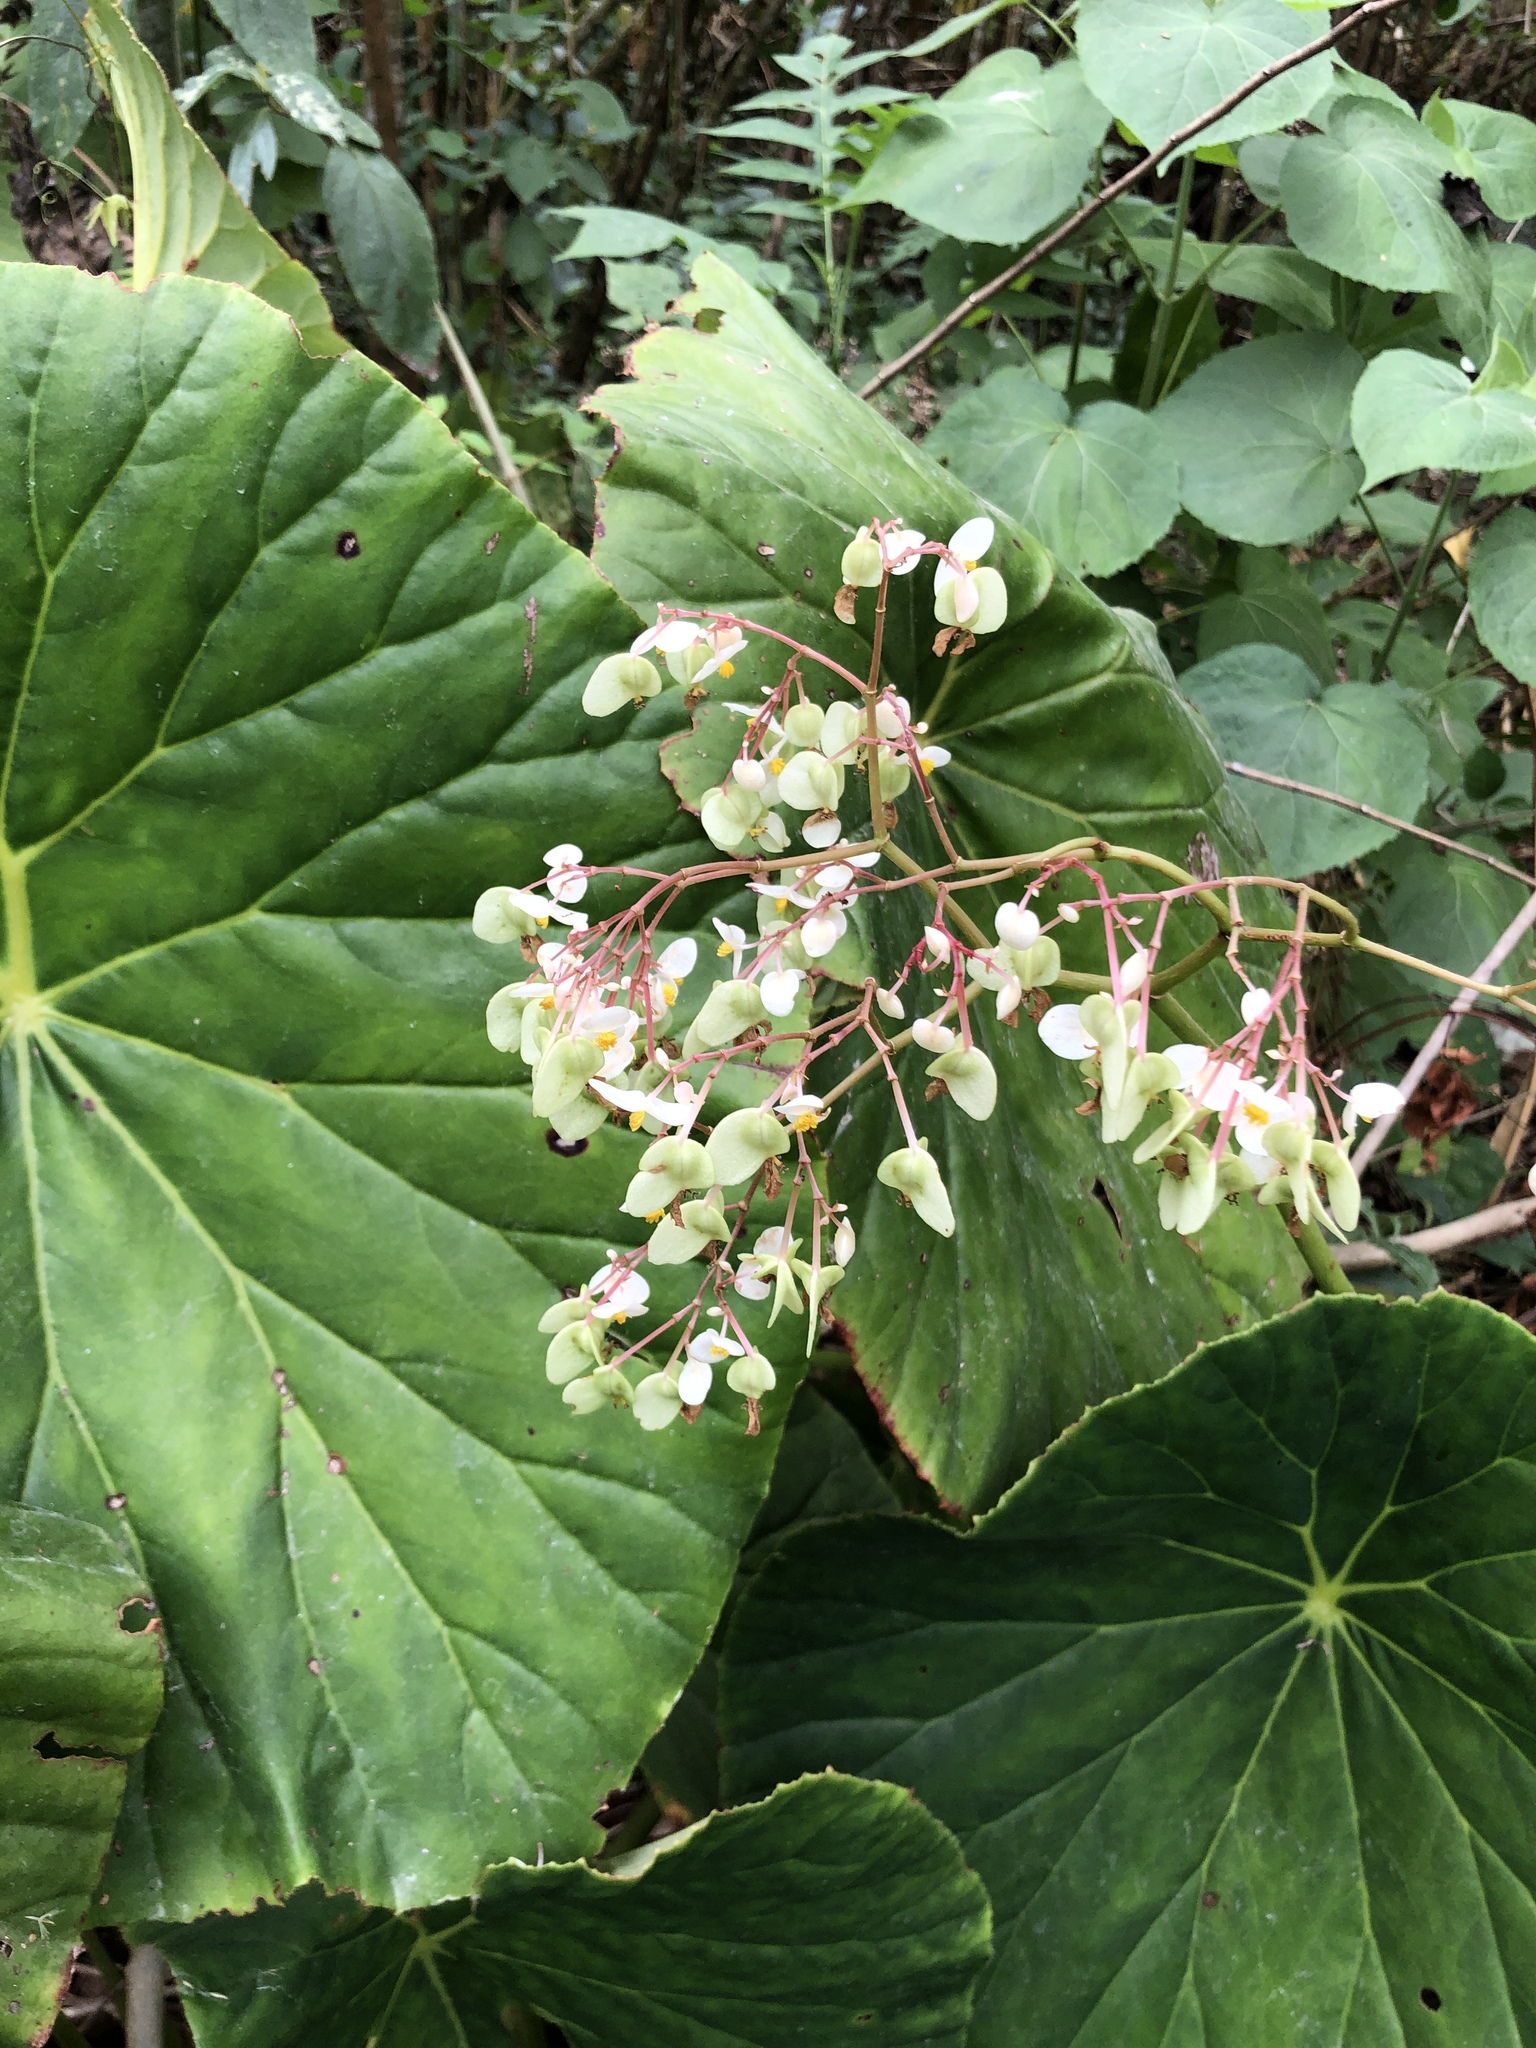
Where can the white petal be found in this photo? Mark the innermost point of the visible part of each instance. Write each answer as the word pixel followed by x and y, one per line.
pixel 1375 1098
pixel 779 990
pixel 820 832
pixel 565 855
pixel 819 934
pixel 971 540
pixel 1255 1004
pixel 889 1002
pixel 678 634
pixel 1062 1033
pixel 1016 926
pixel 694 1381
pixel 931 1035
pixel 679 958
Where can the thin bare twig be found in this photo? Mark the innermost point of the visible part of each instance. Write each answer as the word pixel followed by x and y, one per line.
pixel 1112 192
pixel 1348 803
pixel 1503 1221
pixel 1502 947
pixel 511 475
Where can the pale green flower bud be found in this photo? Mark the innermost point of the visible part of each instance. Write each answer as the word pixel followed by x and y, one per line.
pixel 1036 965
pixel 1186 1205
pixel 585 1396
pixel 667 1168
pixel 612 1383
pixel 861 561
pixel 621 679
pixel 1339 1178
pixel 685 663
pixel 562 1074
pixel 657 1401
pixel 751 1376
pixel 706 1217
pixel 741 1142
pixel 803 723
pixel 817 1287
pixel 569 1309
pixel 730 1008
pixel 968 1075
pixel 912 1173
pixel 576 1348
pixel 502 915
pixel 1234 1176
pixel 504 1015
pixel 841 727
pixel 728 813
pixel 993 610
pixel 671 1244
pixel 1184 1114
pixel 811 782
pixel 578 1119
pixel 895 774
pixel 535 1036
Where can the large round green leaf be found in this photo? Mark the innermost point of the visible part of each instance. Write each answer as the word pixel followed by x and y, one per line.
pixel 1502 149
pixel 1412 412
pixel 1158 64
pixel 285 680
pixel 1230 1702
pixel 1501 583
pixel 833 1912
pixel 744 468
pixel 998 157
pixel 1098 487
pixel 1262 434
pixel 1269 711
pixel 1365 199
pixel 79 1693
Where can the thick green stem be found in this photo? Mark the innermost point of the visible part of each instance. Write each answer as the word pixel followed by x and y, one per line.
pixel 1328 1275
pixel 1420 569
pixel 1169 293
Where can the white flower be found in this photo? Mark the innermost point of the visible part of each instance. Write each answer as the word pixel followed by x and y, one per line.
pixel 844 1243
pixel 889 1002
pixel 751 775
pixel 1205 1079
pixel 969 542
pixel 709 1349
pixel 822 829
pixel 670 636
pixel 1256 1004
pixel 937 943
pixel 931 1035
pixel 893 716
pixel 750 1284
pixel 1016 925
pixel 1261 1110
pixel 725 643
pixel 1061 1032
pixel 678 960
pixel 931 757
pixel 612 1030
pixel 1371 1099
pixel 804 1112
pixel 822 930
pixel 899 547
pixel 566 883
pixel 733 943
pixel 638 1104
pixel 616 1293
pixel 780 988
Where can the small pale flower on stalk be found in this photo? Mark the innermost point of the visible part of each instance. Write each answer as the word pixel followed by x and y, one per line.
pixel 502 915
pixel 709 1349
pixel 1369 1100
pixel 1186 1203
pixel 730 1008
pixel 968 1075
pixel 822 930
pixel 781 988
pixel 1016 926
pixel 889 1003
pixel 931 1035
pixel 753 1377
pixel 970 597
pixel 566 883
pixel 621 679
pixel 844 1243
pixel 805 1112
pixel 773 1260
pixel 657 1401
pixel 733 943
pixel 914 1175
pixel 741 1142
pixel 668 1169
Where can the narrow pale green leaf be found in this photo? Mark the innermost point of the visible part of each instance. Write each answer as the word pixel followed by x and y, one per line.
pixel 1158 64
pixel 744 469
pixel 835 1911
pixel 1502 586
pixel 1412 412
pixel 1098 487
pixel 998 157
pixel 1269 711
pixel 275 1231
pixel 186 214
pixel 1228 1702
pixel 385 244
pixel 1263 437
pixel 79 1693
pixel 1365 199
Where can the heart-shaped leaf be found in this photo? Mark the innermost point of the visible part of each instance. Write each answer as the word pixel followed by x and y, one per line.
pixel 1501 583
pixel 1157 64
pixel 835 1911
pixel 1098 487
pixel 1229 1702
pixel 1273 602
pixel 1263 437
pixel 744 469
pixel 1502 149
pixel 1269 711
pixel 79 1693
pixel 1412 412
pixel 274 1231
pixel 998 157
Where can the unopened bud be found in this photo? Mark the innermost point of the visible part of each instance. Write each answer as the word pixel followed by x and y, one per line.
pixel 751 776
pixel 861 561
pixel 1016 926
pixel 730 1008
pixel 968 1075
pixel 844 1243
pixel 563 1072
pixel 803 723
pixel 752 1376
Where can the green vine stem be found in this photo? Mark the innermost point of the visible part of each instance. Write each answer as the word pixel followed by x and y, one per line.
pixel 1328 1275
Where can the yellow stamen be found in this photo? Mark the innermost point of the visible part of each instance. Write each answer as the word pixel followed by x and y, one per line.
pixel 607 1040
pixel 779 903
pixel 546 1002
pixel 724 948
pixel 807 1120
pixel 727 669
pixel 655 1215
pixel 541 922
pixel 1255 1113
pixel 636 1119
pixel 669 992
pixel 776 766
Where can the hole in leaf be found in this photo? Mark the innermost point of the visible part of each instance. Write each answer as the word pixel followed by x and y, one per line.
pixel 1101 1196
pixel 50 1749
pixel 707 319
pixel 348 546
pixel 134 1616
pixel 565 1148
pixel 1430 1998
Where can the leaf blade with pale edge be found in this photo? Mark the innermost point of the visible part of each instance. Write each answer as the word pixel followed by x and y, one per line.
pixel 1158 64
pixel 743 470
pixel 1410 412
pixel 251 1125
pixel 1263 437
pixel 73 1677
pixel 834 1911
pixel 1194 1819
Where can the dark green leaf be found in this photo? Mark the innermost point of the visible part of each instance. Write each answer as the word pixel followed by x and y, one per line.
pixel 278 34
pixel 274 1230
pixel 1269 711
pixel 60 97
pixel 1273 603
pixel 744 469
pixel 1502 586
pixel 1228 1702
pixel 384 241
pixel 1450 911
pixel 1157 64
pixel 998 157
pixel 1098 487
pixel 1263 437
pixel 79 1693
pixel 835 1911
